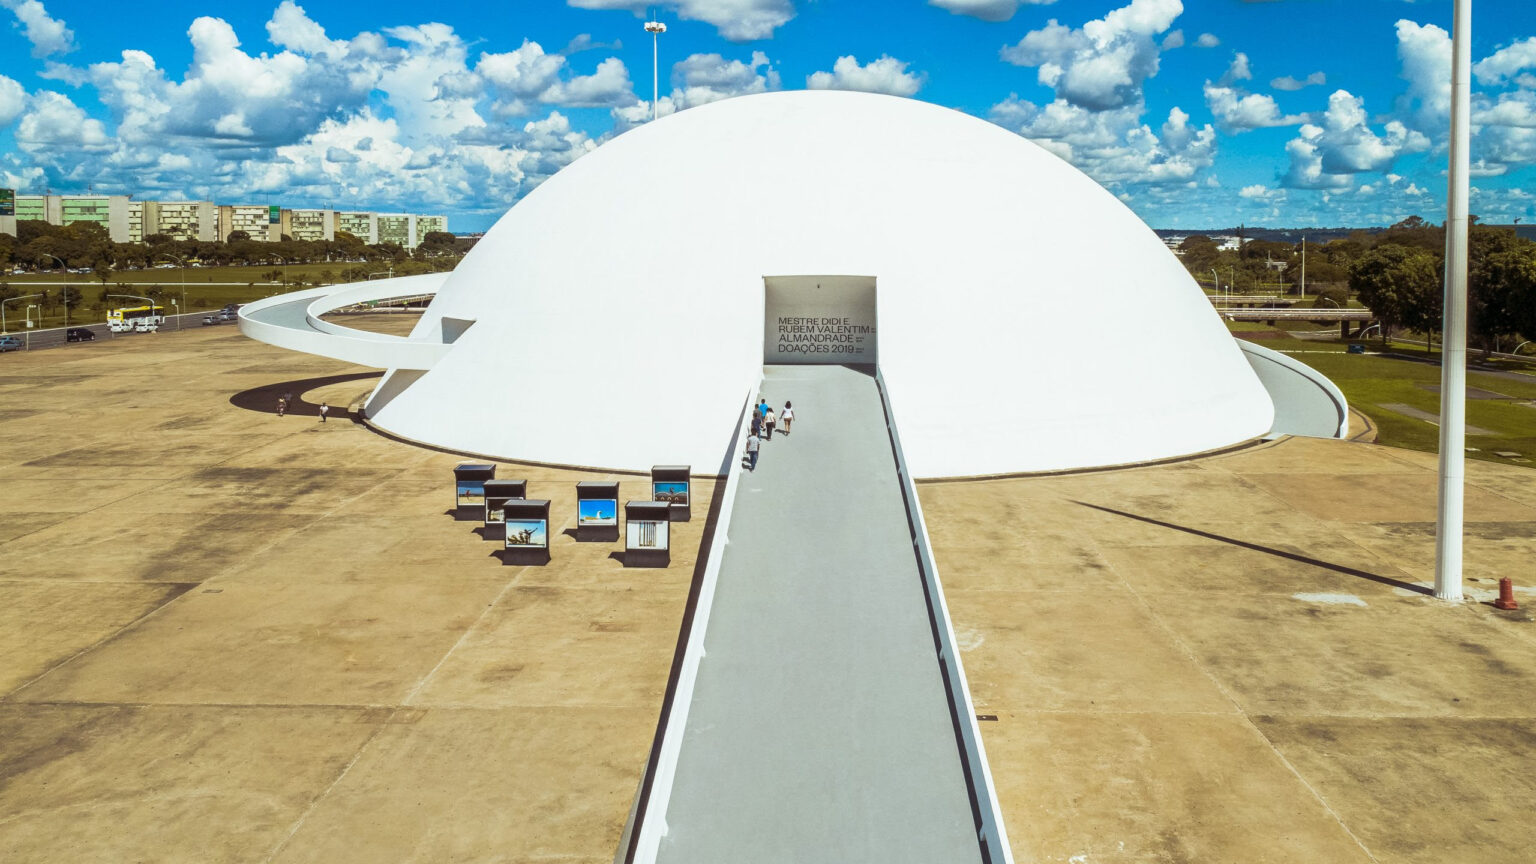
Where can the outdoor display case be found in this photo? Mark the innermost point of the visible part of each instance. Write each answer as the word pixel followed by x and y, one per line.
pixel 670 485
pixel 497 494
pixel 526 524
pixel 469 483
pixel 597 511
pixel 647 534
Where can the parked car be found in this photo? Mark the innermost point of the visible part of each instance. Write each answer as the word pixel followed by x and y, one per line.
pixel 9 343
pixel 211 319
pixel 226 315
pixel 145 325
pixel 79 334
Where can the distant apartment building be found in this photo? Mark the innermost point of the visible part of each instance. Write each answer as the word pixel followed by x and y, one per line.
pixel 181 220
pixel 311 225
pixel 427 224
pixel 261 222
pixel 108 211
pixel 8 212
pixel 396 228
pixel 129 221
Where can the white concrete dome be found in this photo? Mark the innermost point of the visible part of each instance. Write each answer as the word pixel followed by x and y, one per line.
pixel 1028 320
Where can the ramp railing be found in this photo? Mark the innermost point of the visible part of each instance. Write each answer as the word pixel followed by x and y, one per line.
pixel 978 776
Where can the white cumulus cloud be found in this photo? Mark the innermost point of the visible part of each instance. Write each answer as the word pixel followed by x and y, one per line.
pixel 13 99
pixel 1104 64
pixel 1291 83
pixel 883 75
pixel 1328 156
pixel 737 20
pixel 987 10
pixel 47 34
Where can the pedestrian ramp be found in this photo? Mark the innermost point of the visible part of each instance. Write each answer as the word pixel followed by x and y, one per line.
pixel 819 711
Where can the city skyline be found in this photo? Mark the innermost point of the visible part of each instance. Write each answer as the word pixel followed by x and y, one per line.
pixel 1199 115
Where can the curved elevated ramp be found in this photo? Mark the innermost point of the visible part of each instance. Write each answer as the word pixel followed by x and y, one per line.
pixel 295 321
pixel 1306 402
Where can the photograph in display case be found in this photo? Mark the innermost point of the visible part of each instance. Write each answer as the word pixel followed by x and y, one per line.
pixel 495 512
pixel 670 491
pixel 527 533
pixel 470 493
pixel 597 512
pixel 646 535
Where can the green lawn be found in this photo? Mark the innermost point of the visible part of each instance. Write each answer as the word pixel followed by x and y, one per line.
pixel 242 285
pixel 1370 381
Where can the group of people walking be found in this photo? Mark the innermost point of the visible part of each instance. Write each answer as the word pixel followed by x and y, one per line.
pixel 764 422
pixel 285 401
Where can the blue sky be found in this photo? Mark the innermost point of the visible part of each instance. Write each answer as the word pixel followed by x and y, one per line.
pixel 1202 113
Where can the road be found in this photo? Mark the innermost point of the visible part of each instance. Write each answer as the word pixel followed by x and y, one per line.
pixel 53 337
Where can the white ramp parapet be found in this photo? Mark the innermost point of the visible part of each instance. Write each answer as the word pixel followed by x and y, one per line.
pixel 1306 402
pixel 294 321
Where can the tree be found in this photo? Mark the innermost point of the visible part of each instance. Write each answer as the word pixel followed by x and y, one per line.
pixel 1401 285
pixel 1501 285
pixel 237 236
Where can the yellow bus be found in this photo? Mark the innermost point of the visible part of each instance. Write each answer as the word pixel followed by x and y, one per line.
pixel 132 317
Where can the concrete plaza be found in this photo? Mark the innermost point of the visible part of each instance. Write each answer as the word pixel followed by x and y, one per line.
pixel 228 636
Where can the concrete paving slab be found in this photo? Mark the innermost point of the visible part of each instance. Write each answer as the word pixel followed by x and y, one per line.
pixel 1280 657
pixel 1378 498
pixel 279 644
pixel 1142 788
pixel 165 784
pixel 1030 651
pixel 600 649
pixel 126 544
pixel 44 624
pixel 1480 766
pixel 508 775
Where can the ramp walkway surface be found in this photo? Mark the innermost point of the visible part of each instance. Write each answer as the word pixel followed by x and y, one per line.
pixel 820 727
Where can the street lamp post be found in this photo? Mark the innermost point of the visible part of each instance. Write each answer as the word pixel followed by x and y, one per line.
pixel 30 307
pixel 1215 281
pixel 655 28
pixel 182 266
pixel 1231 280
pixel 65 268
pixel 3 329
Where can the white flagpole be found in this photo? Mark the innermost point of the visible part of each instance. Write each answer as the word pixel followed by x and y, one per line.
pixel 1453 354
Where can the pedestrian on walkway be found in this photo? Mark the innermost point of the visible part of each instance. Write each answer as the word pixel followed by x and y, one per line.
pixel 282 406
pixel 753 443
pixel 769 420
pixel 757 424
pixel 762 407
pixel 324 410
pixel 788 415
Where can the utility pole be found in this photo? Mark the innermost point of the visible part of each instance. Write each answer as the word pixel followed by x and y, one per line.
pixel 1453 345
pixel 655 28
pixel 1303 268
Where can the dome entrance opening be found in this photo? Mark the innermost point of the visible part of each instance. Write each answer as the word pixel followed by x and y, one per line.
pixel 819 319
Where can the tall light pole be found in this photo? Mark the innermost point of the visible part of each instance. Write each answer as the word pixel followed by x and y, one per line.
pixel 1453 347
pixel 655 28
pixel 1303 268
pixel 65 268
pixel 1215 281
pixel 182 266
pixel 30 296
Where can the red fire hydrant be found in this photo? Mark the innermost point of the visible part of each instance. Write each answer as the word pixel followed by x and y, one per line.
pixel 1506 595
